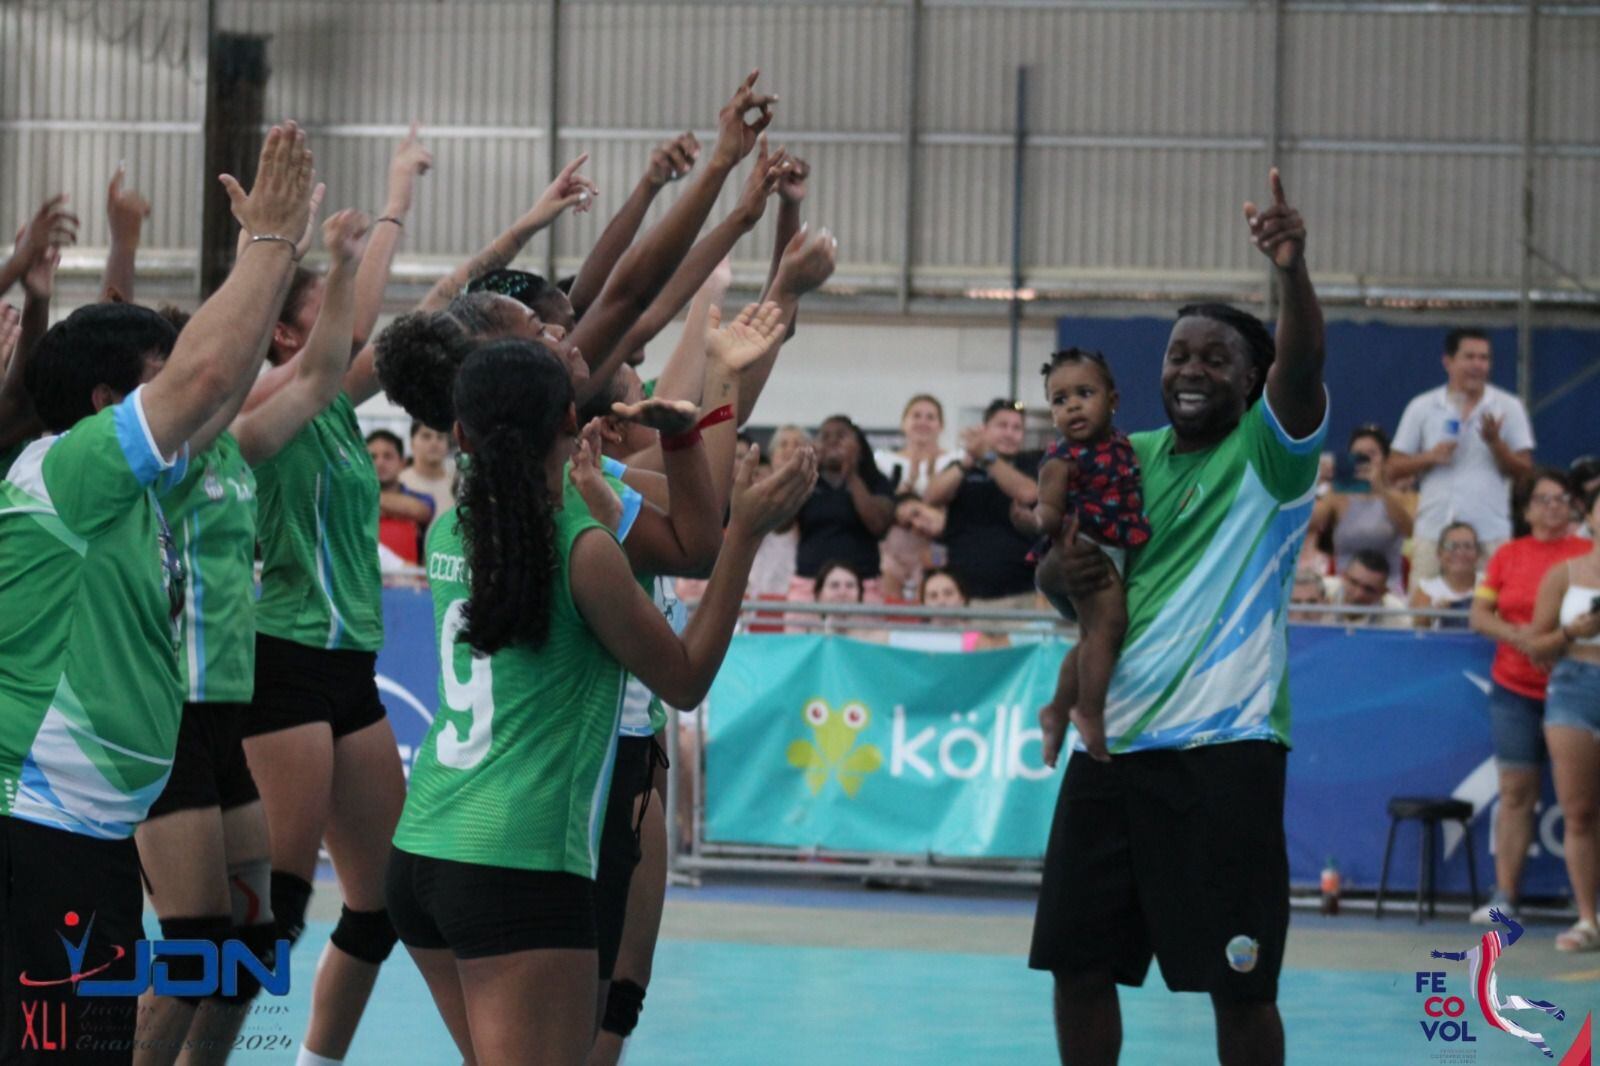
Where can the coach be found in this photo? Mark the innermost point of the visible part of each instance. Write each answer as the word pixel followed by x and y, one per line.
pixel 1174 846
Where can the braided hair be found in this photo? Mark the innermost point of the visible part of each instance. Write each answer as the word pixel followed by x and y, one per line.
pixel 1080 357
pixel 512 398
pixel 1257 341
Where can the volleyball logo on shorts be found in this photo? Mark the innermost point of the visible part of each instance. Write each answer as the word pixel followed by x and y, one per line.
pixel 833 749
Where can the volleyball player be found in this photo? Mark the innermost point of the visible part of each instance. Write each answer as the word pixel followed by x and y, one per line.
pixel 500 917
pixel 92 588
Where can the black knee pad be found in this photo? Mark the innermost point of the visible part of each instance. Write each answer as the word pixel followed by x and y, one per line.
pixel 623 1003
pixel 290 894
pixel 213 929
pixel 365 935
pixel 262 940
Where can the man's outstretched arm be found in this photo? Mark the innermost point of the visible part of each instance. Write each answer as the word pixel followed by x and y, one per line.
pixel 1294 384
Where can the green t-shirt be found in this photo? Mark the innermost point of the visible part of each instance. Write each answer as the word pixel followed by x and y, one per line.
pixel 90 695
pixel 1205 660
pixel 320 584
pixel 212 512
pixel 517 766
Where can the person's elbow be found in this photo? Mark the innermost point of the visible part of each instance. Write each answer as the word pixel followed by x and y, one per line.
pixel 684 693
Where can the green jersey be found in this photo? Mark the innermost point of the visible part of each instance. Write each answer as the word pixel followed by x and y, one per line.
pixel 517 766
pixel 1205 660
pixel 212 512
pixel 320 584
pixel 90 696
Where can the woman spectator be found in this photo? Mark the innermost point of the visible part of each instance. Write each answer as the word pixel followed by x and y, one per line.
pixel 1502 609
pixel 838 582
pixel 849 511
pixel 909 470
pixel 1566 621
pixel 773 569
pixel 941 588
pixel 1451 589
pixel 1365 511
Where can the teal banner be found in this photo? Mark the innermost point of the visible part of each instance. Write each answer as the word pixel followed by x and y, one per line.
pixel 823 742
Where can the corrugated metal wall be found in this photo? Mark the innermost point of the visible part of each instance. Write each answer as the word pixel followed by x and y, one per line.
pixel 1401 123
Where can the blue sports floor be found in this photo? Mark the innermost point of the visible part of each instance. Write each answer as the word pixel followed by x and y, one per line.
pixel 784 976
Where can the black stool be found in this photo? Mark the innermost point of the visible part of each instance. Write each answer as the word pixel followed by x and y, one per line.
pixel 1430 811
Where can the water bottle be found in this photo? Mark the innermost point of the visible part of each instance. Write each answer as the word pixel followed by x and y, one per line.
pixel 1330 887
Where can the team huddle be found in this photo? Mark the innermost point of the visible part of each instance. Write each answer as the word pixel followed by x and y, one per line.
pixel 163 726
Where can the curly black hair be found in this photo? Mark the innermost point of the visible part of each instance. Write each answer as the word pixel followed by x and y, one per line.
pixel 1258 343
pixel 511 397
pixel 1080 357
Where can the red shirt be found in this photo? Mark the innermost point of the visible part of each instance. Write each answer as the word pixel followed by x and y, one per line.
pixel 402 535
pixel 1512 582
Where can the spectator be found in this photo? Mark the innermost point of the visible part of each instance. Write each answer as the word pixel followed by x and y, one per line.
pixel 1466 441
pixel 1566 624
pixel 431 472
pixel 1459 556
pixel 987 552
pixel 773 568
pixel 1365 583
pixel 906 550
pixel 838 583
pixel 1308 589
pixel 1502 610
pixel 403 514
pixel 940 588
pixel 1364 510
pixel 849 511
pixel 1584 475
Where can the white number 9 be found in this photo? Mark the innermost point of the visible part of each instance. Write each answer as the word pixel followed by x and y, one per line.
pixel 475 696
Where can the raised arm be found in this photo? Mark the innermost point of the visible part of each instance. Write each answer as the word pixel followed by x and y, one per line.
pixel 1294 384
pixel 222 346
pixel 696 267
pixel 791 193
pixel 411 160
pixel 1512 462
pixel 684 376
pixel 680 670
pixel 669 161
pixel 570 189
pixel 646 267
pixel 18 421
pixel 807 261
pixel 319 368
pixel 52 226
pixel 126 211
pixel 684 540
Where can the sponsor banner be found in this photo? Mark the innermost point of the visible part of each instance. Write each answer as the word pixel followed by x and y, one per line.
pixel 826 742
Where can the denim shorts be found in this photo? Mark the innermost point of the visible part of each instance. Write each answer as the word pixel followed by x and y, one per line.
pixel 1517 723
pixel 1574 696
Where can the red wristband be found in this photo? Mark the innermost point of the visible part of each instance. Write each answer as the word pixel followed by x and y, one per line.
pixel 679 441
pixel 721 414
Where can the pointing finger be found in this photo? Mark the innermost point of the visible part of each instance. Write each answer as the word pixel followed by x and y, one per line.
pixel 1276 180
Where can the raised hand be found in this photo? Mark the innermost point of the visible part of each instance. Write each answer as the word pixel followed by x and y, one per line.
pixel 1489 428
pixel 10 333
pixel 597 493
pixel 570 189
pixel 764 179
pixel 344 235
pixel 1279 231
pixel 672 159
pixel 52 226
pixel 313 208
pixel 126 210
pixel 735 136
pixel 747 338
pixel 664 416
pixel 40 280
pixel 792 185
pixel 807 262
pixel 759 507
pixel 1496 915
pixel 974 442
pixel 410 161
pixel 278 204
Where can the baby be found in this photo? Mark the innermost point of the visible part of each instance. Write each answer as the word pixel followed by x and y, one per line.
pixel 1092 473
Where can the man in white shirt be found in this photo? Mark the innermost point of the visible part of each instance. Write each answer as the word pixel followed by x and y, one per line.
pixel 1365 583
pixel 1466 441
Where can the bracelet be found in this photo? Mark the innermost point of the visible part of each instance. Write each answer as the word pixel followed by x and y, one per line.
pixel 294 245
pixel 677 442
pixel 721 414
pixel 389 218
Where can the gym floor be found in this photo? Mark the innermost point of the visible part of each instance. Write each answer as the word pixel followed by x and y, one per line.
pixel 785 973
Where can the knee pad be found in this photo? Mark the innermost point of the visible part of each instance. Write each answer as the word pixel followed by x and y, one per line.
pixel 213 929
pixel 250 891
pixel 289 894
pixel 262 940
pixel 365 935
pixel 624 1001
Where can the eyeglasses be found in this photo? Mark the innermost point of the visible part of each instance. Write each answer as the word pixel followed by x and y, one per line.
pixel 1459 546
pixel 1548 499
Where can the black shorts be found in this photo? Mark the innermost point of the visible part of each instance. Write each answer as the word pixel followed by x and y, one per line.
pixel 631 778
pixel 478 912
pixel 56 884
pixel 209 767
pixel 1180 854
pixel 297 685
